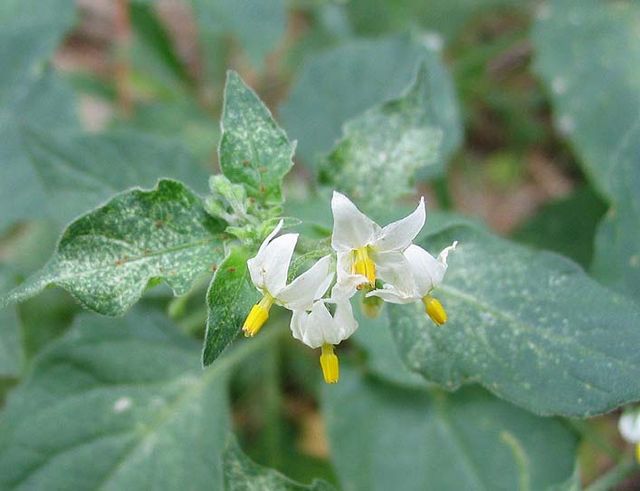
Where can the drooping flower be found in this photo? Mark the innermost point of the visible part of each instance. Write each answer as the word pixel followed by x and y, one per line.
pixel 366 251
pixel 629 427
pixel 269 270
pixel 414 280
pixel 319 329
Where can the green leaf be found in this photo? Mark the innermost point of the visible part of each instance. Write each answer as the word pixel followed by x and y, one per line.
pixel 617 246
pixel 587 53
pixel 11 354
pixel 79 171
pixel 242 474
pixel 529 326
pixel 106 258
pixel 229 300
pixel 117 404
pixel 30 94
pixel 430 440
pixel 256 24
pixel 254 150
pixel 342 83
pixel 566 226
pixel 380 151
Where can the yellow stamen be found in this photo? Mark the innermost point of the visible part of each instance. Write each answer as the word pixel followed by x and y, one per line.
pixel 329 364
pixel 638 452
pixel 258 316
pixel 434 309
pixel 364 265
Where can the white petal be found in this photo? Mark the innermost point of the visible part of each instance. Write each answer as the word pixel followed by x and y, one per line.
pixel 393 268
pixel 629 426
pixel 298 321
pixel 313 330
pixel 344 321
pixel 427 271
pixel 256 263
pixel 309 286
pixel 351 228
pixel 347 281
pixel 397 236
pixel 444 253
pixel 393 295
pixel 269 270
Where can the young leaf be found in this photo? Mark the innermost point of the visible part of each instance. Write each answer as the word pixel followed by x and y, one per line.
pixel 617 246
pixel 229 300
pixel 529 326
pixel 79 171
pixel 117 404
pixel 254 150
pixel 430 440
pixel 376 159
pixel 242 474
pixel 342 83
pixel 587 52
pixel 106 258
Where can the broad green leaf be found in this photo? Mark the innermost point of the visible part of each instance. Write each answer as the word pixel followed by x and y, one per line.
pixel 242 474
pixel 106 258
pixel 342 83
pixel 386 437
pixel 617 246
pixel 229 300
pixel 10 345
pixel 565 226
pixel 530 326
pixel 117 404
pixel 380 151
pixel 587 53
pixel 256 24
pixel 30 94
pixel 79 171
pixel 254 150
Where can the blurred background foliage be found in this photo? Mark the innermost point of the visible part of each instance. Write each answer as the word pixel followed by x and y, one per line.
pixel 135 88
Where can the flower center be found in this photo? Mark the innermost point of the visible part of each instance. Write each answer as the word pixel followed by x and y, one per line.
pixel 258 316
pixel 434 309
pixel 329 364
pixel 364 265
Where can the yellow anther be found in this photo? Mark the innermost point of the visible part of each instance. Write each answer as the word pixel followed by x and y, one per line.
pixel 638 452
pixel 257 316
pixel 364 265
pixel 329 364
pixel 434 309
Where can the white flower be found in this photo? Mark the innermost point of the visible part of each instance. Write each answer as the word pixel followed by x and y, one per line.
pixel 366 251
pixel 269 270
pixel 319 329
pixel 629 426
pixel 415 279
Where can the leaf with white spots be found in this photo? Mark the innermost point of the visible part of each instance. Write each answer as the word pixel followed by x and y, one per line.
pixel 254 150
pixel 428 440
pixel 242 474
pixel 588 54
pixel 376 159
pixel 530 326
pixel 117 404
pixel 229 300
pixel 106 258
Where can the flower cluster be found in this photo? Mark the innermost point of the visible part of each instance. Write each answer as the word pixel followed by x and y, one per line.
pixel 379 261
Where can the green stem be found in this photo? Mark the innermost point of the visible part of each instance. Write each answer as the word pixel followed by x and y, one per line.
pixel 613 476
